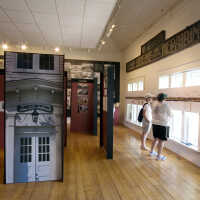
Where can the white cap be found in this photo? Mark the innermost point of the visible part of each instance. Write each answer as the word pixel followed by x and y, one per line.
pixel 148 95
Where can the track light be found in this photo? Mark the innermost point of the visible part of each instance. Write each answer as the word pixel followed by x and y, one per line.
pixel 57 49
pixel 113 26
pixel 23 47
pixel 109 33
pixel 5 46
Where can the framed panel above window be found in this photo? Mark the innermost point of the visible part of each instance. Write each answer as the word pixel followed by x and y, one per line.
pixel 24 60
pixel 46 62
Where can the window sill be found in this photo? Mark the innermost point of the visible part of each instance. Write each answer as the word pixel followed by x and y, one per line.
pixel 193 148
pixel 132 123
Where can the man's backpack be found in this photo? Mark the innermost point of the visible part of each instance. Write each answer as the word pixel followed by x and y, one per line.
pixel 140 116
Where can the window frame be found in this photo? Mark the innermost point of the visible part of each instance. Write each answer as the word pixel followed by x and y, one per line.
pixel 23 61
pixel 49 65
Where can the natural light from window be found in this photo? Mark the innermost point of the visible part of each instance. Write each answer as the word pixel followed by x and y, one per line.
pixel 177 80
pixel 164 82
pixel 192 78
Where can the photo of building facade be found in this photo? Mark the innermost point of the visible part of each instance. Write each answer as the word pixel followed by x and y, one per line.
pixel 34 117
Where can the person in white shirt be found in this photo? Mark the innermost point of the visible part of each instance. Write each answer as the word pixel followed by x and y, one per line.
pixel 146 121
pixel 161 119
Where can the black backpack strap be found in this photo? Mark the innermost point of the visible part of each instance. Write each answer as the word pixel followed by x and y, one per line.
pixel 144 105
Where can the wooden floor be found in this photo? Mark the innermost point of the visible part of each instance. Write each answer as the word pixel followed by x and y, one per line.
pixel 131 175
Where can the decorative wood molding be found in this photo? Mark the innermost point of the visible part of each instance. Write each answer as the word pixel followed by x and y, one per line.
pixel 178 42
pixel 184 99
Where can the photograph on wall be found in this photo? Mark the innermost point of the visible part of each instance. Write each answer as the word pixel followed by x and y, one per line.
pixel 34 104
pixel 82 94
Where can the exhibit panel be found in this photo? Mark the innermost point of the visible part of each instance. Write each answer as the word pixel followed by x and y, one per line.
pixel 34 104
pixel 108 103
pixel 82 113
pixel 2 108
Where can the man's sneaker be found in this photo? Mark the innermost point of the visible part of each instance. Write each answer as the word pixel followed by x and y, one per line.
pixel 161 157
pixel 153 153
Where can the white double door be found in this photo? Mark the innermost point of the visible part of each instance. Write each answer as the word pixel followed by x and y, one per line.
pixel 33 158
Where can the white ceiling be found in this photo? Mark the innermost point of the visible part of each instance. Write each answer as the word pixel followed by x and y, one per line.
pixel 66 23
pixel 78 23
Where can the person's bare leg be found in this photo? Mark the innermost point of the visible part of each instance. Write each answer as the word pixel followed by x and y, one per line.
pixel 154 144
pixel 143 140
pixel 160 147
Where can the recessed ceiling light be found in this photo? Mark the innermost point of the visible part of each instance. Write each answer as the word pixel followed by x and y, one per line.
pixel 23 47
pixel 57 49
pixel 4 46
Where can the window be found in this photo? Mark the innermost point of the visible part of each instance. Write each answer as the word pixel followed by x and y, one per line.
pixel 164 82
pixel 46 62
pixel 177 80
pixel 134 86
pixel 191 129
pixel 24 60
pixel 132 113
pixel 130 87
pixel 176 125
pixel 192 78
pixel 129 112
pixel 185 128
pixel 140 86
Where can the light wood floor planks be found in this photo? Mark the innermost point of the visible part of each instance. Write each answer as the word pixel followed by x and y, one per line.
pixel 131 175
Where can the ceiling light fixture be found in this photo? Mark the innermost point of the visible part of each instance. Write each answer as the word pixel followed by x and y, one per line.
pixel 5 46
pixel 57 49
pixel 109 33
pixel 103 42
pixel 113 26
pixel 23 47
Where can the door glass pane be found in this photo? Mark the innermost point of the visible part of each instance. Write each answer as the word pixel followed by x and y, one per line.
pixel 44 149
pixel 25 149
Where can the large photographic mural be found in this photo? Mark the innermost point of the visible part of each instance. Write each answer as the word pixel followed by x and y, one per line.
pixel 34 100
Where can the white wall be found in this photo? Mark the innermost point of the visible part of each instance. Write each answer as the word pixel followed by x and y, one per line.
pixel 184 14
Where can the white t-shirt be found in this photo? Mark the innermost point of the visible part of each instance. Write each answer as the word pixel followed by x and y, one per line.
pixel 148 111
pixel 161 114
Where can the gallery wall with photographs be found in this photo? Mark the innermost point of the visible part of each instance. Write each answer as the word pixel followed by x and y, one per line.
pixel 80 69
